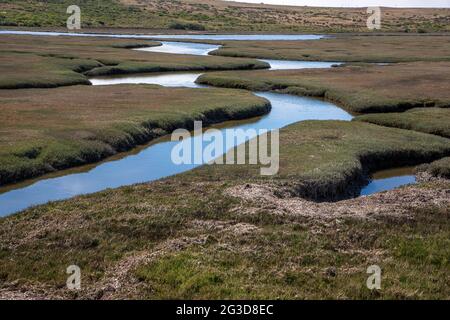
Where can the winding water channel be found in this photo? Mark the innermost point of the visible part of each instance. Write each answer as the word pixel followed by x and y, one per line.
pixel 153 161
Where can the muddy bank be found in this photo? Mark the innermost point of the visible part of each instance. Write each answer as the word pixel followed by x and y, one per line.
pixel 349 184
pixel 391 203
pixel 436 169
pixel 333 160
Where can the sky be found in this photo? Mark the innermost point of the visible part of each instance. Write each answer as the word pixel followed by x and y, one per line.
pixel 358 3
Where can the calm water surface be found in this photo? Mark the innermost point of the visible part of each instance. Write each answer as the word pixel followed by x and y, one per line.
pixel 292 65
pixel 389 179
pixel 197 49
pixel 181 79
pixel 217 37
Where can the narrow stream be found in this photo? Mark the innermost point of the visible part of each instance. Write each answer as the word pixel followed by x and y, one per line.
pixel 198 49
pixel 172 79
pixel 153 161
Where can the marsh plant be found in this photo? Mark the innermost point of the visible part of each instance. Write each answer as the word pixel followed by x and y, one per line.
pixel 209 147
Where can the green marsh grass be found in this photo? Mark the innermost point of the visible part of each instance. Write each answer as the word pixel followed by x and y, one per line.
pixel 429 120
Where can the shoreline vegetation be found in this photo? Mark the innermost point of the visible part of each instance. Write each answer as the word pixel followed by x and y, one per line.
pixel 219 16
pixel 39 135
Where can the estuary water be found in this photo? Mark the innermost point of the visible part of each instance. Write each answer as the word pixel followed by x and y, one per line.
pixel 190 36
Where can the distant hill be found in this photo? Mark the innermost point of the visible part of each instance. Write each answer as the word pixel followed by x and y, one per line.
pixel 212 15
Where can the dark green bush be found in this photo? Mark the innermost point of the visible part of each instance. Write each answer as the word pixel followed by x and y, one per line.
pixel 187 26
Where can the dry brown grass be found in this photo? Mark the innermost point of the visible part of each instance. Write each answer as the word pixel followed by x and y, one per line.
pixel 162 240
pixel 217 16
pixel 225 15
